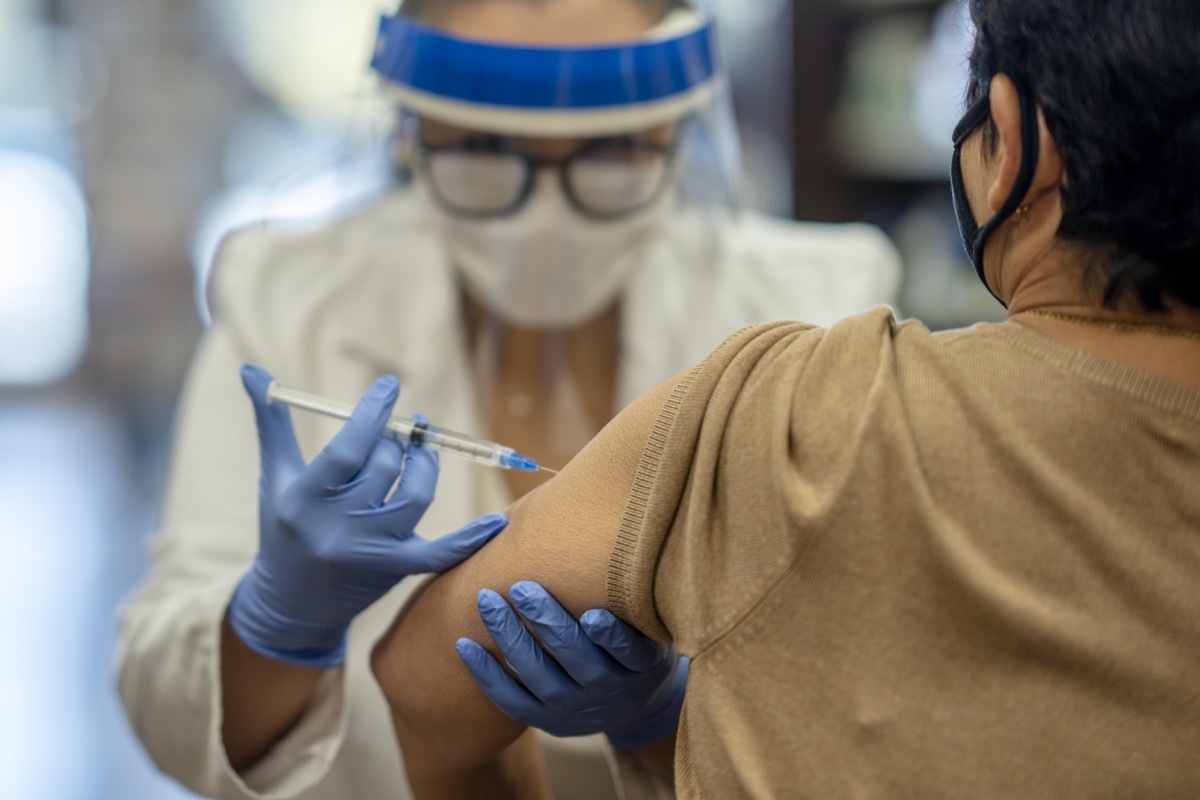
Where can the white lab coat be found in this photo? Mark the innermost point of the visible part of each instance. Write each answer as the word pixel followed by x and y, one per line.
pixel 327 310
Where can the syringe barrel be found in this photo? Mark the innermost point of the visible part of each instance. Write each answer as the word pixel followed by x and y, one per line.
pixel 415 431
pixel 471 447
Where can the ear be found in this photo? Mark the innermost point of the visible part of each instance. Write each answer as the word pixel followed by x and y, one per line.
pixel 1006 113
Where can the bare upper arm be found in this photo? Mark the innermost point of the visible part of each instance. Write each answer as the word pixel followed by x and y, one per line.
pixel 560 535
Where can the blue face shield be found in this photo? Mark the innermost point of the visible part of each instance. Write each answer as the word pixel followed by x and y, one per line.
pixel 975 236
pixel 551 91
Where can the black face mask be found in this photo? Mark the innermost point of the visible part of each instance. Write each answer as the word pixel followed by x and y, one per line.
pixel 974 236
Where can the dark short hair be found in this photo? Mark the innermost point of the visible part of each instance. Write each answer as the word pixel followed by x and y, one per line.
pixel 1119 83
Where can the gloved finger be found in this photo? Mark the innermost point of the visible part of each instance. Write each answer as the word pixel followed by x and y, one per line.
pixel 374 481
pixel 630 647
pixel 506 694
pixel 562 637
pixel 345 454
pixel 419 555
pixel 416 489
pixel 538 672
pixel 276 439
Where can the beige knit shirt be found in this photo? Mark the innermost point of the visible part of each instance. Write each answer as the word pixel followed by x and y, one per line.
pixel 915 565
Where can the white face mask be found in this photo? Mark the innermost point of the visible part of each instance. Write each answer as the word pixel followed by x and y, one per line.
pixel 547 266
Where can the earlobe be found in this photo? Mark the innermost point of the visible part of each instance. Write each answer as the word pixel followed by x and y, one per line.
pixel 1006 114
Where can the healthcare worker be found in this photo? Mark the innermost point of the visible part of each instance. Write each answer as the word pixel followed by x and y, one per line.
pixel 569 238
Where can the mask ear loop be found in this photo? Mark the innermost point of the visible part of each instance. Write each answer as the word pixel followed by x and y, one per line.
pixel 975 116
pixel 1025 173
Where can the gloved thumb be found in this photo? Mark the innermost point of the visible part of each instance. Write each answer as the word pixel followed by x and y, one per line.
pixel 276 439
pixel 451 550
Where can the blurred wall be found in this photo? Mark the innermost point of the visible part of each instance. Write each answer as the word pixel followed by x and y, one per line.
pixel 150 159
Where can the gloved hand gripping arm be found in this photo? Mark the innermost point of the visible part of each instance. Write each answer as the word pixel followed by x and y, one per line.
pixel 334 537
pixel 591 676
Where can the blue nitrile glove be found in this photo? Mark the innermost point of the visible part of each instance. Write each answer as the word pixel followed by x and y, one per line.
pixel 604 677
pixel 333 537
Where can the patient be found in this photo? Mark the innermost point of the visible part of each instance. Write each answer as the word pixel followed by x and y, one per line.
pixel 907 564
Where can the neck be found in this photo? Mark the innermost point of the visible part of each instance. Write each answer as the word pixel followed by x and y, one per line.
pixel 522 354
pixel 1053 297
pixel 544 392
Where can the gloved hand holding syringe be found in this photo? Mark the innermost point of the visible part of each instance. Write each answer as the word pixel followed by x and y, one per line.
pixel 337 534
pixel 416 432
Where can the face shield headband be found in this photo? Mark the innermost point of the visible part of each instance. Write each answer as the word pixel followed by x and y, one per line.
pixel 551 91
pixel 974 236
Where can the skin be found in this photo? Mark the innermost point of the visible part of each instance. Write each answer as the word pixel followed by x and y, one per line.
pixel 262 700
pixel 590 355
pixel 561 22
pixel 562 535
pixel 439 134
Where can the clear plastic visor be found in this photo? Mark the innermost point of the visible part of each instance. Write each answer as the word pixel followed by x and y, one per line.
pixel 551 91
pixel 622 125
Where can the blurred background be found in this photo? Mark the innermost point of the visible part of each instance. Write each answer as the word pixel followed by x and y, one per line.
pixel 134 133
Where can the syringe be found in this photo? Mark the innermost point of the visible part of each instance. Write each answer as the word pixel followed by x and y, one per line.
pixel 418 433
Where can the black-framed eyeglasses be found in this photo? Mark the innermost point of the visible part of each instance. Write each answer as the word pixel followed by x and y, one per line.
pixel 605 179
